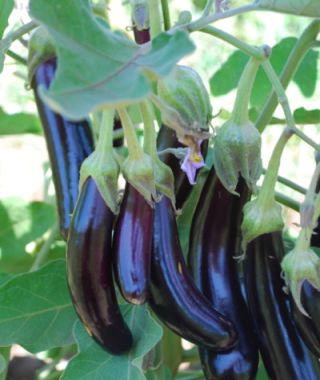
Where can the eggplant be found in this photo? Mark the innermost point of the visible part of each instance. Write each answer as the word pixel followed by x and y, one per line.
pixel 309 328
pixel 89 271
pixel 167 139
pixel 132 243
pixel 174 297
pixel 284 354
pixel 213 246
pixel 68 143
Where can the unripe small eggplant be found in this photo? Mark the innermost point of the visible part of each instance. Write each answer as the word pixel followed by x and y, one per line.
pixel 89 271
pixel 174 296
pixel 132 242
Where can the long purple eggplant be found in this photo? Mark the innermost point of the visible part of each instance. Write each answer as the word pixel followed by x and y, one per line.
pixel 89 271
pixel 213 244
pixel 174 296
pixel 132 246
pixel 68 143
pixel 284 353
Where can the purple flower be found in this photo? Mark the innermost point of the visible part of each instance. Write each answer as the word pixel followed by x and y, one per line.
pixel 192 161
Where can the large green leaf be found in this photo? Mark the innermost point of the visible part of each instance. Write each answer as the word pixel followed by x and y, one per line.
pixel 97 66
pixel 35 309
pixel 227 77
pixel 18 123
pixel 4 360
pixel 92 362
pixel 6 7
pixel 21 223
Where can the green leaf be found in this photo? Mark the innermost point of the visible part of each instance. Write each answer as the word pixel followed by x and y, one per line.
pixel 35 309
pixel 18 123
pixel 21 223
pixel 97 66
pixel 92 362
pixel 6 7
pixel 227 77
pixel 303 116
pixel 4 360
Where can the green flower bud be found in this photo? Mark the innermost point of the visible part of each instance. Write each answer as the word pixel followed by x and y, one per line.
pixel 187 107
pixel 237 152
pixel 260 218
pixel 299 266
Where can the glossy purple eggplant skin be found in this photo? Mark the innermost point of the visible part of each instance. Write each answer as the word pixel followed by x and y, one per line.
pixel 132 242
pixel 141 36
pixel 167 139
pixel 284 354
pixel 68 143
pixel 213 244
pixel 89 271
pixel 174 297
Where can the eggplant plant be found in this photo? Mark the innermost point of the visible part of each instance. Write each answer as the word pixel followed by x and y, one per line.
pixel 164 240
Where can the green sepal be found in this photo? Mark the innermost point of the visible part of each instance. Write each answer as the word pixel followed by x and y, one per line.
pixel 237 151
pixel 139 173
pixel 259 219
pixel 299 266
pixel 104 169
pixel 41 48
pixel 164 180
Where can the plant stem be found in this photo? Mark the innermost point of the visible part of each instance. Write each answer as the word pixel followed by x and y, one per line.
pixel 253 51
pixel 16 34
pixel 105 140
pixel 155 17
pixel 16 57
pixel 5 353
pixel 241 106
pixel 207 9
pixel 290 184
pixel 45 249
pixel 287 201
pixel 302 46
pixel 204 21
pixel 283 100
pixel 166 14
pixel 150 137
pixel 267 192
pixel 134 148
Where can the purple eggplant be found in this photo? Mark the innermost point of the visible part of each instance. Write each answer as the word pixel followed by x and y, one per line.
pixel 284 353
pixel 213 244
pixel 174 297
pixel 132 246
pixel 89 271
pixel 68 143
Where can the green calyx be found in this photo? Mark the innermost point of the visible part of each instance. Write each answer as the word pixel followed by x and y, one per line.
pixel 260 218
pixel 140 14
pixel 41 48
pixel 104 170
pixel 237 151
pixel 298 266
pixel 184 104
pixel 139 172
pixel 237 148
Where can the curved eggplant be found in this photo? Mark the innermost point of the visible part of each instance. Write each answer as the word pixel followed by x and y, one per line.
pixel 174 296
pixel 89 271
pixel 284 354
pixel 68 143
pixel 132 243
pixel 167 139
pixel 213 245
